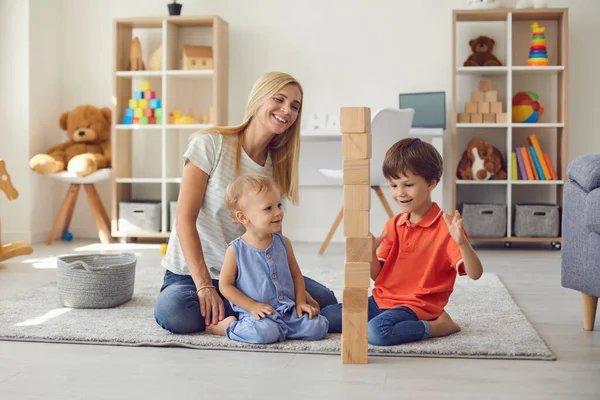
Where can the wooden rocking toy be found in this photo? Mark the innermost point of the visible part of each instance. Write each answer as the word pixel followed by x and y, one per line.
pixel 17 248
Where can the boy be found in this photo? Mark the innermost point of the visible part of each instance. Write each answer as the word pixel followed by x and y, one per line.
pixel 420 252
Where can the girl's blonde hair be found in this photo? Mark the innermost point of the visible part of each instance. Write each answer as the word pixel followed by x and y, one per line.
pixel 244 184
pixel 284 148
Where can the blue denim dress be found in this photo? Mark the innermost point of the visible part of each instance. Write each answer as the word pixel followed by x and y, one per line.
pixel 264 276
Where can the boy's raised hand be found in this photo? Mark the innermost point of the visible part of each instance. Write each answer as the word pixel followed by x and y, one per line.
pixel 455 227
pixel 377 240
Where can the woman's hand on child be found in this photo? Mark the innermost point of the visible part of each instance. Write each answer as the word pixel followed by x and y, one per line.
pixel 307 308
pixel 261 310
pixel 455 227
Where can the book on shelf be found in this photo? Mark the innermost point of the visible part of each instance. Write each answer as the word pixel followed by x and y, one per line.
pixel 533 163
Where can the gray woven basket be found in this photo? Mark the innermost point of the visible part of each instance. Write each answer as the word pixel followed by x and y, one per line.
pixel 96 280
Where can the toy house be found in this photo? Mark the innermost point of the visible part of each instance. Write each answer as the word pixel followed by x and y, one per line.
pixel 196 57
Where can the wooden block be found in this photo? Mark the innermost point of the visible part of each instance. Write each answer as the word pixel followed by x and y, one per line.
pixel 476 96
pixel 485 85
pixel 489 118
pixel 476 118
pixel 491 96
pixel 356 146
pixel 357 197
pixel 483 107
pixel 464 118
pixel 356 224
pixel 357 274
pixel 496 107
pixel 355 301
pixel 355 351
pixel 470 107
pixel 357 172
pixel 355 120
pixel 359 249
pixel 502 118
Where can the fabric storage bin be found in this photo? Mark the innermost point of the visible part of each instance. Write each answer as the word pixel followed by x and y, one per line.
pixel 484 220
pixel 139 216
pixel 536 220
pixel 172 213
pixel 95 280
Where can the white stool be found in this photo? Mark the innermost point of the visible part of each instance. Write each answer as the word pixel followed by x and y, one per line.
pixel 66 209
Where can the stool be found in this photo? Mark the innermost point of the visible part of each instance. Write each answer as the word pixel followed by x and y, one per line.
pixel 68 205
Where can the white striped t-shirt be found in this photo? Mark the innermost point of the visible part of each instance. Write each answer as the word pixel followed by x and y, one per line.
pixel 214 154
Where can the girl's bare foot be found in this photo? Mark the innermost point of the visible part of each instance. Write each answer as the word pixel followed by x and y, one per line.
pixel 221 327
pixel 443 325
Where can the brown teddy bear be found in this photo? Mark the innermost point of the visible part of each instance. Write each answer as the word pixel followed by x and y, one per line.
pixel 482 47
pixel 88 148
pixel 481 161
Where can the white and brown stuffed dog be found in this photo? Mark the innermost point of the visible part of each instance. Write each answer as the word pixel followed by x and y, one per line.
pixel 481 161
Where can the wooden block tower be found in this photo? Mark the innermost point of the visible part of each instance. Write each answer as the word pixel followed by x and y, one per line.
pixel 355 124
pixel 484 106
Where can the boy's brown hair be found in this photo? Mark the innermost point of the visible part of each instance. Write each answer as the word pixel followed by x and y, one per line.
pixel 242 185
pixel 416 156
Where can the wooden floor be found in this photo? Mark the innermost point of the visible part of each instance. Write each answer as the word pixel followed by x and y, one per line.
pixel 65 371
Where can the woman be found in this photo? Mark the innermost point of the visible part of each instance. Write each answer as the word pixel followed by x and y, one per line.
pixel 267 142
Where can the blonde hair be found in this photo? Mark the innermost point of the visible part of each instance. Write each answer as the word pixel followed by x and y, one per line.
pixel 245 184
pixel 284 148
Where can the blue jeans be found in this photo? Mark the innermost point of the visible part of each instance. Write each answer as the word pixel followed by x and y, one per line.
pixel 177 308
pixel 387 327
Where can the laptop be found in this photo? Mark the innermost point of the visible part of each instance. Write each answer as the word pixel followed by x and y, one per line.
pixel 430 108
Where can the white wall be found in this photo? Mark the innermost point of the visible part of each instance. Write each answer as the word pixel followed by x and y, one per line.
pixel 345 53
pixel 14 114
pixel 45 107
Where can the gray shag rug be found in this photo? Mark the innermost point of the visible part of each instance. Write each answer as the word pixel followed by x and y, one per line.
pixel 492 324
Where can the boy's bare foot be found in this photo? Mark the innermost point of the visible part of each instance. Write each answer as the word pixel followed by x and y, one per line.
pixel 443 325
pixel 221 327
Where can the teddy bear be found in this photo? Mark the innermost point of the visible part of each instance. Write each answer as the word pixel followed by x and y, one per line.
pixel 482 47
pixel 481 161
pixel 88 147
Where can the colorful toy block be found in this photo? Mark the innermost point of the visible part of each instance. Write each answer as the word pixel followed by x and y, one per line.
pixel 129 112
pixel 149 94
pixel 158 112
pixel 137 112
pixel 152 120
pixel 143 120
pixel 154 103
pixel 148 112
pixel 133 103
pixel 144 86
pixel 138 95
pixel 135 120
pixel 143 103
pixel 127 120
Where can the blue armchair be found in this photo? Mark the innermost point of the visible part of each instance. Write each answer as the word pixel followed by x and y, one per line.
pixel 580 264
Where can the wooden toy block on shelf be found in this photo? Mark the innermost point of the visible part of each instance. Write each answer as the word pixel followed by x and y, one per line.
pixel 484 106
pixel 355 124
pixel 15 249
pixel 501 118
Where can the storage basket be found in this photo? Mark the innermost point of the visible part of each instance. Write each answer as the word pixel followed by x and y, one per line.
pixel 484 220
pixel 536 220
pixel 139 216
pixel 96 280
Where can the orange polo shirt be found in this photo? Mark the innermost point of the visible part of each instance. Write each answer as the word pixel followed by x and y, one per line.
pixel 420 263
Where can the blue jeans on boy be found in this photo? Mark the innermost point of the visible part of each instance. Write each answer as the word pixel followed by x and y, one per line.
pixel 177 308
pixel 387 327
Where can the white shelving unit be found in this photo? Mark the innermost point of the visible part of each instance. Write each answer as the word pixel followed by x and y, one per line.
pixel 510 28
pixel 147 159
